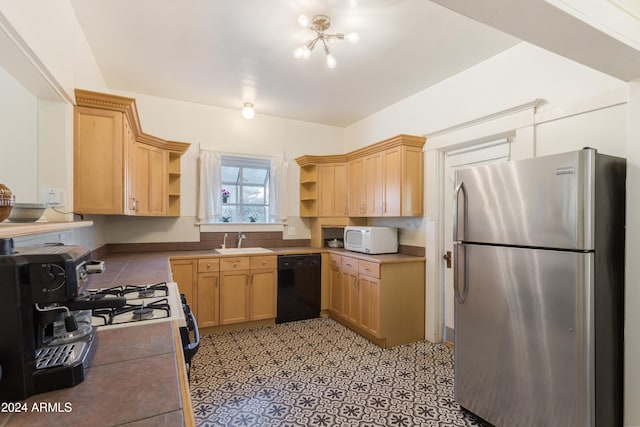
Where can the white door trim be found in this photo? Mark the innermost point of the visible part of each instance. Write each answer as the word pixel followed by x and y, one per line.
pixel 498 125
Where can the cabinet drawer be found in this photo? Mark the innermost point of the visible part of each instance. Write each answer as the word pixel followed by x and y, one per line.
pixel 350 264
pixel 367 268
pixel 208 265
pixel 268 261
pixel 335 260
pixel 236 263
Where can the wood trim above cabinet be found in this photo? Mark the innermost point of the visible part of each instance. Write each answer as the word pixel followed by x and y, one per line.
pixel 123 104
pixel 396 141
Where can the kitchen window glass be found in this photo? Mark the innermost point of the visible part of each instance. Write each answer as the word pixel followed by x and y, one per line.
pixel 245 189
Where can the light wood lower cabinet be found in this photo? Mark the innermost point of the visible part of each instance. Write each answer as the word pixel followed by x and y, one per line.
pixel 369 293
pixel 234 296
pixel 336 299
pixel 248 289
pixel 228 290
pixel 185 274
pixel 351 310
pixel 382 301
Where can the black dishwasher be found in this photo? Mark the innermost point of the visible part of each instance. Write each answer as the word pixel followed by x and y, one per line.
pixel 298 287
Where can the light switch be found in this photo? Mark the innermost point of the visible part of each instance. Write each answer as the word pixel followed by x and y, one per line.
pixel 291 231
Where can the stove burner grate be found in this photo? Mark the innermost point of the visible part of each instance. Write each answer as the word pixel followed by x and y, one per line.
pixel 147 291
pixel 142 313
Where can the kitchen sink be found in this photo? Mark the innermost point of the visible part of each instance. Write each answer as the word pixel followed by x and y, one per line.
pixel 225 251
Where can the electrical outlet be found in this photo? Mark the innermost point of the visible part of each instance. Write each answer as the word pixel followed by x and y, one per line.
pixel 53 196
pixel 291 231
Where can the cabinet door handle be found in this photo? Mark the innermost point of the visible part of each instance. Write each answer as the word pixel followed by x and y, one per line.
pixel 264 262
pixel 235 264
pixel 208 265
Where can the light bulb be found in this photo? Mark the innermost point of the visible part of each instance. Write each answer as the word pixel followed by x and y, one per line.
pixel 331 61
pixel 306 52
pixel 303 20
pixel 299 52
pixel 353 37
pixel 248 112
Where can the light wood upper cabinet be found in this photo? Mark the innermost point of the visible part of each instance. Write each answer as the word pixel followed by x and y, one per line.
pixel 383 179
pixel 150 180
pixel 332 179
pixel 374 184
pixel 118 169
pixel 101 139
pixel 412 187
pixel 400 185
pixel 357 187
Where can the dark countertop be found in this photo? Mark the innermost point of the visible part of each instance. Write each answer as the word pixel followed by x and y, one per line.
pixel 132 381
pixel 152 267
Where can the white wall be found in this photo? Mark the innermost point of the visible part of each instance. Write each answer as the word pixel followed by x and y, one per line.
pixel 18 139
pixel 632 278
pixel 51 31
pixel 604 129
pixel 226 131
pixel 513 77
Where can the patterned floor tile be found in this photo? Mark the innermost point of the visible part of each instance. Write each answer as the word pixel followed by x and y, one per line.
pixel 319 373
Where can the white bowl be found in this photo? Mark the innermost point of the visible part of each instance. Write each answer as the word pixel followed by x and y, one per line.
pixel 27 212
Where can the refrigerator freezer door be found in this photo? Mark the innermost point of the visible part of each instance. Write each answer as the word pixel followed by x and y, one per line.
pixel 521 334
pixel 541 202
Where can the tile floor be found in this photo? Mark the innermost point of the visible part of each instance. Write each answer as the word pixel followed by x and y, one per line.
pixel 319 373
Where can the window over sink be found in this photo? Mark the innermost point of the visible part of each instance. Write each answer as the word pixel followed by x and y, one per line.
pixel 245 189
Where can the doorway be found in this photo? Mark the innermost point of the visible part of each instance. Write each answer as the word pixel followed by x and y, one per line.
pixel 478 154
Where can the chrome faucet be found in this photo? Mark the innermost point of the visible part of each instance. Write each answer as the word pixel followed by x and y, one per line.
pixel 240 238
pixel 224 241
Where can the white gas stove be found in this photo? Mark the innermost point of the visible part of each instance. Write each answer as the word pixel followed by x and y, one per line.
pixel 160 302
pixel 147 303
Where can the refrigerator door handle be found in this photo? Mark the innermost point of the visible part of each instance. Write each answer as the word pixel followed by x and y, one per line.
pixel 459 188
pixel 460 262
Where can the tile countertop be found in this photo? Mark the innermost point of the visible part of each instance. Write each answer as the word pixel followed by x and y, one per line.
pixel 133 380
pixel 152 267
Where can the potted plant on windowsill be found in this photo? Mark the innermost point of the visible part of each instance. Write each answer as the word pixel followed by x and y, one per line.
pixel 253 216
pixel 225 217
pixel 225 195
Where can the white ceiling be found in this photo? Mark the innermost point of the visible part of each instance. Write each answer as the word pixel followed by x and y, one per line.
pixel 225 53
pixel 597 33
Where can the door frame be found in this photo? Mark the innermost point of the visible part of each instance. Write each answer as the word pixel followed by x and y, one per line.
pixel 516 123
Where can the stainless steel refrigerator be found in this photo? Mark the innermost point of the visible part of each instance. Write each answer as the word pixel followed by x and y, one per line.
pixel 539 288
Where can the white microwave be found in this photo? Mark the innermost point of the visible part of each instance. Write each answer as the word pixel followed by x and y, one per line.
pixel 371 240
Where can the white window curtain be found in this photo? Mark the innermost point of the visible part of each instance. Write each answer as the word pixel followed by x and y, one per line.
pixel 209 202
pixel 278 195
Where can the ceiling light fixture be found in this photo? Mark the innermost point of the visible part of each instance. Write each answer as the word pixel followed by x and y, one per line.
pixel 247 111
pixel 319 24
